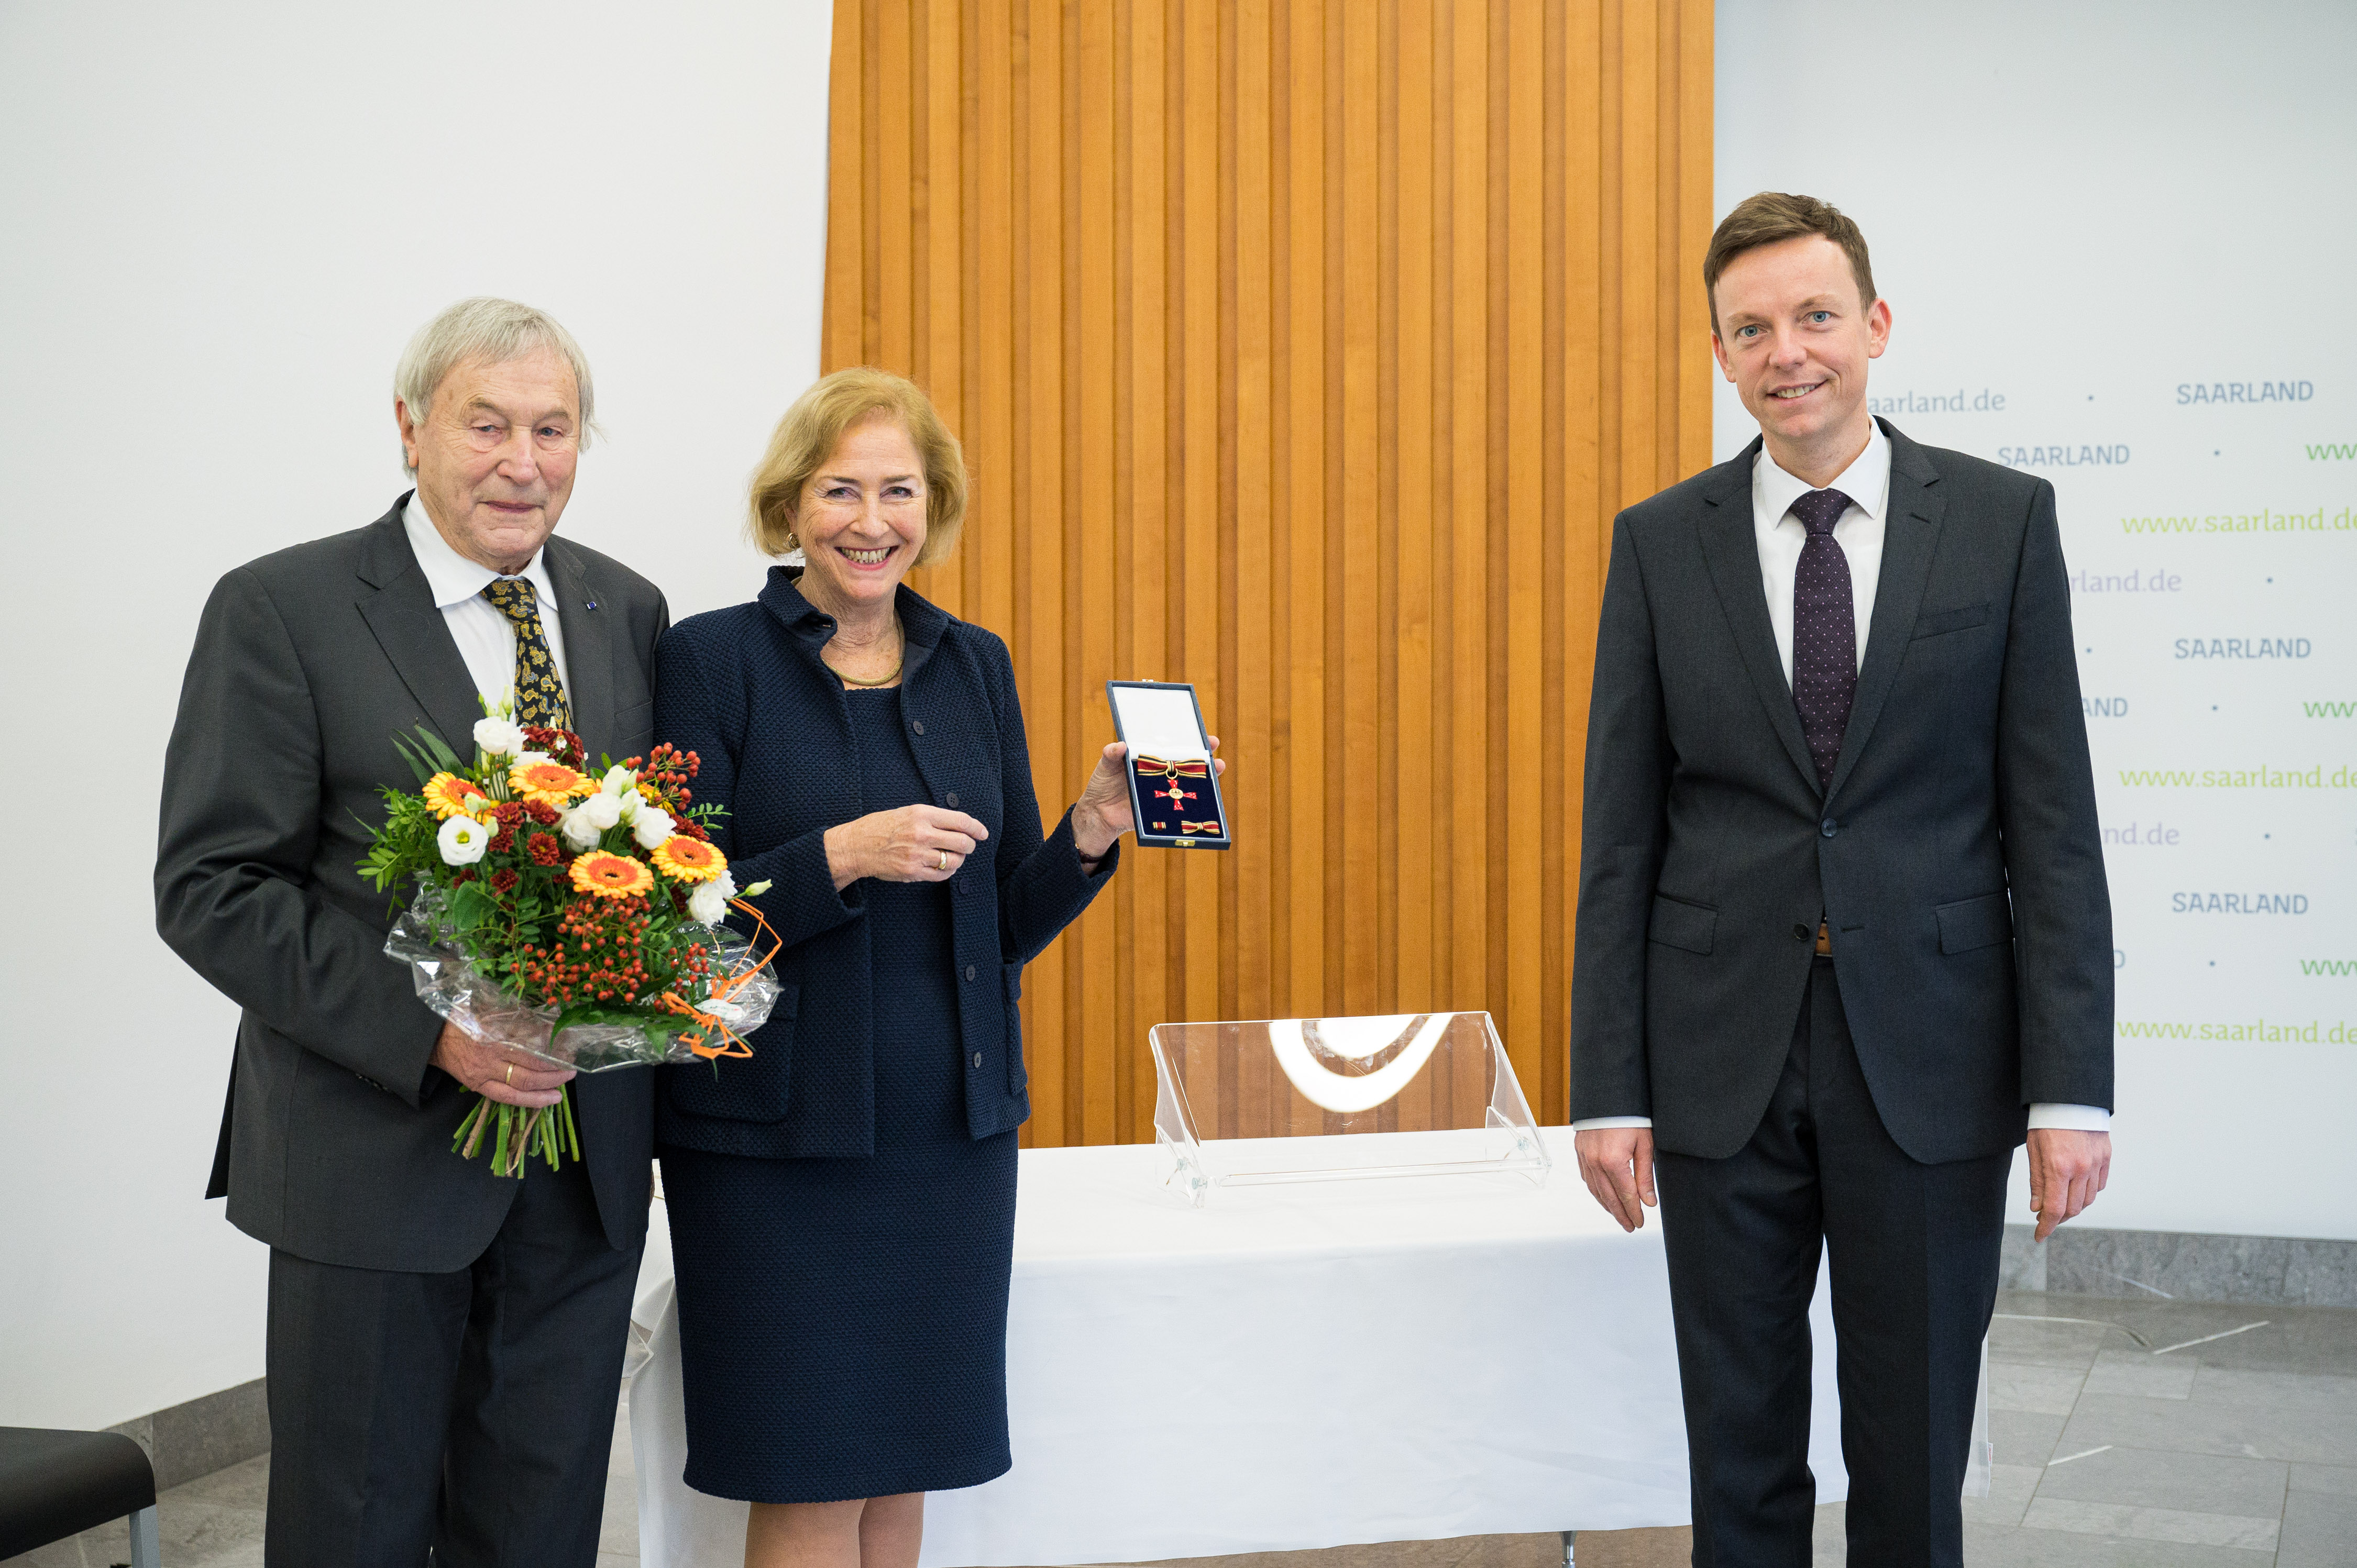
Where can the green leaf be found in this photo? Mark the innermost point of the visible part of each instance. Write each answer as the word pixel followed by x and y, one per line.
pixel 427 755
pixel 471 905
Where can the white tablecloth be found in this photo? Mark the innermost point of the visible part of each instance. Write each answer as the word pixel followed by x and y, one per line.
pixel 1294 1366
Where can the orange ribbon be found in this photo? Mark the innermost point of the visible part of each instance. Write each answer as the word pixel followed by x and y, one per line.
pixel 700 1043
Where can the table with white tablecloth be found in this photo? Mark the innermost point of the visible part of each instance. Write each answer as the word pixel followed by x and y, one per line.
pixel 1290 1365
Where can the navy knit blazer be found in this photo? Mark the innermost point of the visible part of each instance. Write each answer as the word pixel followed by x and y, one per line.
pixel 745 689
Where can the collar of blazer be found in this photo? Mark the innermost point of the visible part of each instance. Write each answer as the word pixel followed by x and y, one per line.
pixel 1910 540
pixel 921 621
pixel 399 609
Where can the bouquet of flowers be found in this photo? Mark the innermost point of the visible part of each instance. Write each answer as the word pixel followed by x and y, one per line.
pixel 572 917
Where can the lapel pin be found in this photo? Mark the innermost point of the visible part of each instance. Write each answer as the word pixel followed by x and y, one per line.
pixel 590 606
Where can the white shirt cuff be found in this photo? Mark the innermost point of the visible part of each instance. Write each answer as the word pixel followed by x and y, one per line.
pixel 1594 1122
pixel 2071 1118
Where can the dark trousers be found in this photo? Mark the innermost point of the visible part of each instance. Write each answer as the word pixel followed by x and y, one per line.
pixel 1914 1257
pixel 467 1413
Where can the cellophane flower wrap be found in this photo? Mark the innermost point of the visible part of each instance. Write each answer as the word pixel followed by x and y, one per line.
pixel 572 917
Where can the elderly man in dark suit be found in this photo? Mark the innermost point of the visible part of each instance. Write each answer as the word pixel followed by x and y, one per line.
pixel 444 1346
pixel 1843 934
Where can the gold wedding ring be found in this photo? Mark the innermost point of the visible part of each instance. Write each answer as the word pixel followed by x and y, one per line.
pixel 511 1075
pixel 944 866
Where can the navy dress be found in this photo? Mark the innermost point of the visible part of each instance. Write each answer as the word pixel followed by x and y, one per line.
pixel 843 1320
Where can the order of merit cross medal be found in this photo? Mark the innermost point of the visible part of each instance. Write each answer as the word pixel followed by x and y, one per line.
pixel 1174 785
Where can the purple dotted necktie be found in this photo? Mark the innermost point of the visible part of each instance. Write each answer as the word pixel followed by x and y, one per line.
pixel 1825 633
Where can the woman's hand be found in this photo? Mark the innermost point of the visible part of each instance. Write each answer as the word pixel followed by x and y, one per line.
pixel 915 843
pixel 1104 813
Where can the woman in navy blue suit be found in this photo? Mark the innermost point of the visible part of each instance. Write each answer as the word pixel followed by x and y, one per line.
pixel 842 1201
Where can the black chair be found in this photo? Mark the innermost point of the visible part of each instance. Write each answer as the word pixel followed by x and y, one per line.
pixel 57 1484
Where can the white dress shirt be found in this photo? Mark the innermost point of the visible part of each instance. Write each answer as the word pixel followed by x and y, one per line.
pixel 1858 531
pixel 486 639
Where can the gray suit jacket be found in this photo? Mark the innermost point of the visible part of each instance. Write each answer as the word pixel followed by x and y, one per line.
pixel 335 1139
pixel 1955 854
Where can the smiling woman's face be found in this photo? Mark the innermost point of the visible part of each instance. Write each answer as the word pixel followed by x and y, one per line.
pixel 861 519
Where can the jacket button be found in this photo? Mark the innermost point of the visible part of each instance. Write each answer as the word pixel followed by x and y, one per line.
pixel 1801 934
pixel 917 724
pixel 969 971
pixel 1829 827
pixel 949 799
pixel 977 1060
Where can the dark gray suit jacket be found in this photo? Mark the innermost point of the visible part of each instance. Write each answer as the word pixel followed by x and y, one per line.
pixel 1955 854
pixel 336 1141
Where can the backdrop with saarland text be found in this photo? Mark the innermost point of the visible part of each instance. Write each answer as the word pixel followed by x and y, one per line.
pixel 2116 246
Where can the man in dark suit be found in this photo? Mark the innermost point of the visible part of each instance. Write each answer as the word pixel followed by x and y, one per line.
pixel 1843 934
pixel 444 1346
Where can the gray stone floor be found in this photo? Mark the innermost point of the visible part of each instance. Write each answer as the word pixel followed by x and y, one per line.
pixel 2129 1434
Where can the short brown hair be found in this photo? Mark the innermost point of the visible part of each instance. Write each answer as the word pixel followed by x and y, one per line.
pixel 814 426
pixel 1772 216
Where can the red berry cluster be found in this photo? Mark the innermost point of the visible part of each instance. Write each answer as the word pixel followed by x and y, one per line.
pixel 596 954
pixel 668 769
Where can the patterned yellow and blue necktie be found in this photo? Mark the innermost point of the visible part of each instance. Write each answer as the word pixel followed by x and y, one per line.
pixel 539 690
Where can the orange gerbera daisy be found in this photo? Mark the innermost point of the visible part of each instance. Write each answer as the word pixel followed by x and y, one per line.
pixel 683 859
pixel 550 783
pixel 611 876
pixel 451 796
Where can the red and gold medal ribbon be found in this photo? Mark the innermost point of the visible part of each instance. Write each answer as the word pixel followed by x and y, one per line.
pixel 1167 769
pixel 1188 827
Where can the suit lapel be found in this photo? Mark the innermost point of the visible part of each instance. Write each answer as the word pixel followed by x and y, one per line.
pixel 588 651
pixel 399 609
pixel 1911 538
pixel 1731 549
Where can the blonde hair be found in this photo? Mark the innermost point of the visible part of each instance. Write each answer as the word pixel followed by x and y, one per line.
pixel 814 426
pixel 495 331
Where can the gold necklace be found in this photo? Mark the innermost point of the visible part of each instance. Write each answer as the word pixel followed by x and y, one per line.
pixel 856 681
pixel 885 679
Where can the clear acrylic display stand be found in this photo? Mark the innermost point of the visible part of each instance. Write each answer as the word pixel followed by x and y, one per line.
pixel 1297 1099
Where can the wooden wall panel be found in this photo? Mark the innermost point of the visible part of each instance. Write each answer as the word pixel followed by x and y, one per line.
pixel 1303 349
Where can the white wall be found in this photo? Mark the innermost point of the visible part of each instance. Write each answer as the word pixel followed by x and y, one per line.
pixel 221 224
pixel 2082 209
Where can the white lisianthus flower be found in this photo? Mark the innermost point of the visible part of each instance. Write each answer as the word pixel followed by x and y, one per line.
pixel 708 904
pixel 578 830
pixel 618 780
pixel 463 840
pixel 631 802
pixel 653 826
pixel 527 759
pixel 497 736
pixel 602 810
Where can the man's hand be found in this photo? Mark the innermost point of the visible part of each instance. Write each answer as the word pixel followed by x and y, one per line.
pixel 498 1073
pixel 2067 1169
pixel 1617 1164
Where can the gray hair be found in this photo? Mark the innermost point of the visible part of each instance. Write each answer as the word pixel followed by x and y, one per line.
pixel 493 331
